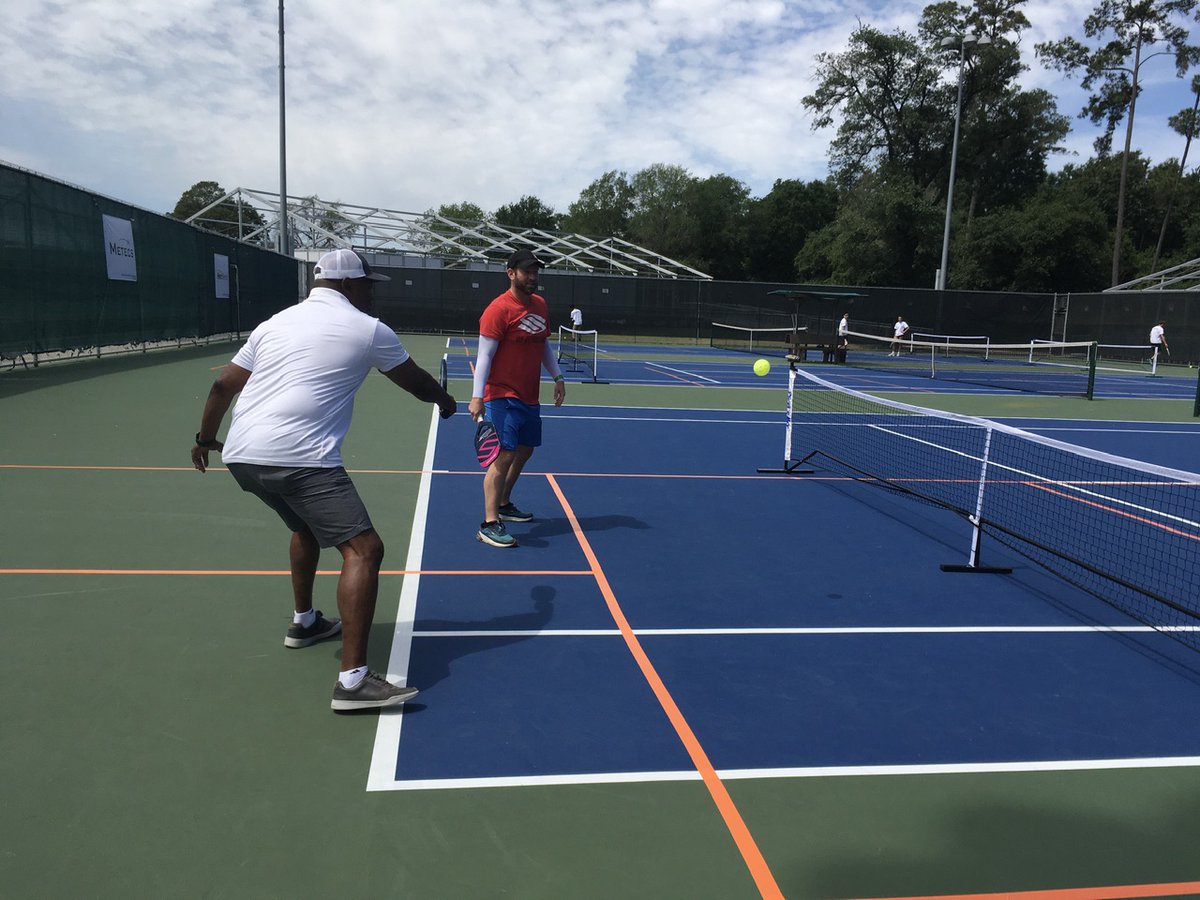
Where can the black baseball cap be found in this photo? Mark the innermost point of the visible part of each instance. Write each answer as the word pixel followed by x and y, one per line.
pixel 523 259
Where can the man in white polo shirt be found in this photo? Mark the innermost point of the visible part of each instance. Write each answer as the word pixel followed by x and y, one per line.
pixel 297 376
pixel 1158 338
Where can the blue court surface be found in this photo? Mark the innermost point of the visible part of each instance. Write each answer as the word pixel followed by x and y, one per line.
pixel 800 625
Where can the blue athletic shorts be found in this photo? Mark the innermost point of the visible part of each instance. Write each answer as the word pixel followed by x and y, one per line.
pixel 324 501
pixel 518 424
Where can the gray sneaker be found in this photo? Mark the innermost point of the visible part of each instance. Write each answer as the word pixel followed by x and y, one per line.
pixel 372 692
pixel 510 513
pixel 319 630
pixel 496 534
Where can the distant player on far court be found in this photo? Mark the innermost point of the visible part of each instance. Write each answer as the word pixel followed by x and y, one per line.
pixel 1158 338
pixel 514 347
pixel 899 330
pixel 576 325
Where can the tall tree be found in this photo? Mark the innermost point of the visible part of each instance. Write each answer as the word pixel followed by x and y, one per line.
pixel 1055 242
pixel 780 223
pixel 659 202
pixel 897 98
pixel 1184 122
pixel 1112 67
pixel 883 88
pixel 715 212
pixel 603 208
pixel 528 212
pixel 234 218
pixel 885 234
pixel 1007 133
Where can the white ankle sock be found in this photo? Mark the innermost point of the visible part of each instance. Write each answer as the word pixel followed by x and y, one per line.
pixel 305 619
pixel 352 678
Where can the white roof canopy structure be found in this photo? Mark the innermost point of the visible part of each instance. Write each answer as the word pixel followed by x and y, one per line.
pixel 317 225
pixel 1183 277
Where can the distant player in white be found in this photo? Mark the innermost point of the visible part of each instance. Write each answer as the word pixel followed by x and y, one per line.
pixel 899 330
pixel 576 324
pixel 1158 338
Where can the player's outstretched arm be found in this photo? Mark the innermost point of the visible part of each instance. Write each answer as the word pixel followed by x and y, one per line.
pixel 423 386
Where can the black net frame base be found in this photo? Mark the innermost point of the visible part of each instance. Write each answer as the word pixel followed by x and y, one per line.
pixel 791 467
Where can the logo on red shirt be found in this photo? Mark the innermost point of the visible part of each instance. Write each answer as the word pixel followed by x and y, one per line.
pixel 532 323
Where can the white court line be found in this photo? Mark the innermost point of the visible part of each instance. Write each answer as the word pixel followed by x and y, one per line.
pixel 866 629
pixel 382 772
pixel 681 371
pixel 773 422
pixel 1041 765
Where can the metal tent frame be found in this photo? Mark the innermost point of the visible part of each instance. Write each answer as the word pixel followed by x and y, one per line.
pixel 1183 277
pixel 316 225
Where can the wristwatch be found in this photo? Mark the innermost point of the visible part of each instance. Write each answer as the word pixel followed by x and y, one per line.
pixel 205 445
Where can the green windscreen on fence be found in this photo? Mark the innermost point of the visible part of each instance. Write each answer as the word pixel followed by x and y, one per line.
pixel 81 271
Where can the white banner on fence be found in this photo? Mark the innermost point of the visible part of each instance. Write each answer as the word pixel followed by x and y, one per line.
pixel 118 249
pixel 221 275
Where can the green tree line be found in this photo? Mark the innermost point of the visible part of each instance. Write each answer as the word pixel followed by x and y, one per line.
pixel 879 217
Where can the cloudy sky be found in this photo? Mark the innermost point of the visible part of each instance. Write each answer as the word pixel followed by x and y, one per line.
pixel 408 104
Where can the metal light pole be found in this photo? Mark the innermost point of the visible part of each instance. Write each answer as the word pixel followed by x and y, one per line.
pixel 963 41
pixel 285 246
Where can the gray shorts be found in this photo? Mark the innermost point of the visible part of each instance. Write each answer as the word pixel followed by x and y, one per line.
pixel 324 501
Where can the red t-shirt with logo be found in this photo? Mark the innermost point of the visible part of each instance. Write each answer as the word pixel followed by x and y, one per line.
pixel 522 330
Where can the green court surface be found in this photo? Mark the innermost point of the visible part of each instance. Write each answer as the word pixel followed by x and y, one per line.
pixel 158 741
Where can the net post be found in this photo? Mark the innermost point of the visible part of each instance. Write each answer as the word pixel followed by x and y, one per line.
pixel 977 522
pixel 1093 354
pixel 790 466
pixel 1196 407
pixel 973 565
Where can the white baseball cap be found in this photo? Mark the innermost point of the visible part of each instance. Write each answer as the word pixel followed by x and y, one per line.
pixel 338 264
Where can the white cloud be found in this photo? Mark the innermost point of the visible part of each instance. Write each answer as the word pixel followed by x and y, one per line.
pixel 412 104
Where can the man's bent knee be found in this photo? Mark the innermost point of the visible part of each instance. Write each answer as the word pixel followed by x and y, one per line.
pixel 366 546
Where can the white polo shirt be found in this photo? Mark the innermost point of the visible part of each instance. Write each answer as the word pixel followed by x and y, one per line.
pixel 1156 334
pixel 307 362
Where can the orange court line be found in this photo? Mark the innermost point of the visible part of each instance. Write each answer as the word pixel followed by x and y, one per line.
pixel 759 870
pixel 1117 892
pixel 539 572
pixel 186 469
pixel 1141 520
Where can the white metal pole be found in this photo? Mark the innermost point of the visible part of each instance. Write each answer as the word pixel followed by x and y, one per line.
pixel 284 240
pixel 962 60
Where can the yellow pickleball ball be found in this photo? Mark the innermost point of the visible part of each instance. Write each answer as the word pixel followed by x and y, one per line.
pixel 761 367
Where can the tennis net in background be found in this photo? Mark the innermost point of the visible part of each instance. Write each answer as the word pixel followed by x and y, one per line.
pixel 579 350
pixel 1125 531
pixel 1126 359
pixel 763 341
pixel 1039 367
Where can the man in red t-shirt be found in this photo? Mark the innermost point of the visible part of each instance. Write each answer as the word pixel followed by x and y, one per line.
pixel 514 346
